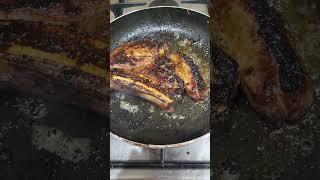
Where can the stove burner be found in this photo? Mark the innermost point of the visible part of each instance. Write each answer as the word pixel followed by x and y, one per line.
pixel 163 3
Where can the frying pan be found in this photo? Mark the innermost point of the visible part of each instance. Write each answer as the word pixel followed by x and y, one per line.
pixel 137 121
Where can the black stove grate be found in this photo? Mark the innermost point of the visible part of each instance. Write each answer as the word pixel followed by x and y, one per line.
pixel 162 163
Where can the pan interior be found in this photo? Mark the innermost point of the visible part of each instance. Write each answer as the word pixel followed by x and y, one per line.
pixel 138 120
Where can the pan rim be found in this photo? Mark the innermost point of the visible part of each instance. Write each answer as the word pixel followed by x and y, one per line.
pixel 160 146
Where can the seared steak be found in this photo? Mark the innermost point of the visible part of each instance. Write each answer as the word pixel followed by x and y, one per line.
pixel 52 53
pixel 272 76
pixel 151 71
pixel 190 74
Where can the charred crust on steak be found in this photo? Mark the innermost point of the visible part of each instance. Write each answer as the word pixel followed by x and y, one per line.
pixel 272 75
pixel 224 81
pixel 195 72
pixel 190 74
pixel 291 71
pixel 144 79
pixel 55 39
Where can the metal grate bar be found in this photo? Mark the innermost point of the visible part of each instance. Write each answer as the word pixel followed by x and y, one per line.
pixel 162 157
pixel 195 1
pixel 159 164
pixel 162 163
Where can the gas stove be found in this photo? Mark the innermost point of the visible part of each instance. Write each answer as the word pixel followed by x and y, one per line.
pixel 132 162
